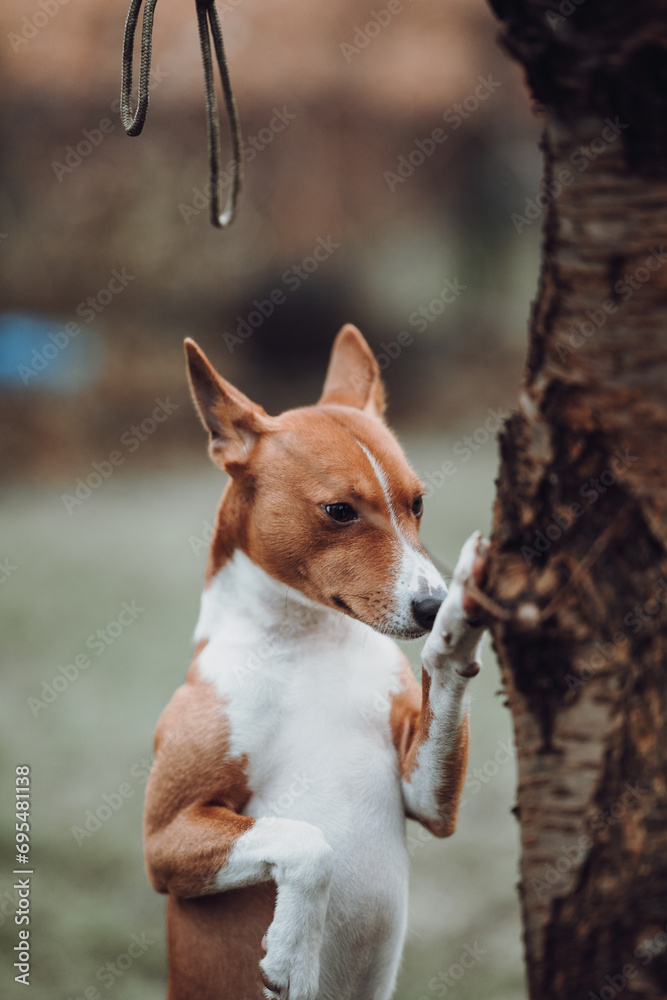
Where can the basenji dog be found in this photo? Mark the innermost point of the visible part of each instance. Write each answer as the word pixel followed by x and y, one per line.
pixel 286 765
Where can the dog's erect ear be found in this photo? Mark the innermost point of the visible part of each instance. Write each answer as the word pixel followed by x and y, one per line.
pixel 353 376
pixel 234 422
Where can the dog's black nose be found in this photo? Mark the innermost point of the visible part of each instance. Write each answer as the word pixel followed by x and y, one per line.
pixel 424 609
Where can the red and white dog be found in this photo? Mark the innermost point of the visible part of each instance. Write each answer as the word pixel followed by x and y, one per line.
pixel 286 764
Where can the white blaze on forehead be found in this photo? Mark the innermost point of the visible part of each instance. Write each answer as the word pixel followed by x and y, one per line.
pixel 415 574
pixel 382 479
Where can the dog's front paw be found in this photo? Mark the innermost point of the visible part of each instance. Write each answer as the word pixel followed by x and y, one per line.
pixel 288 971
pixel 472 567
pixel 291 967
pixel 457 628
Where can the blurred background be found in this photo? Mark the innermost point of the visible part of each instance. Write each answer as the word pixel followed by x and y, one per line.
pixel 389 147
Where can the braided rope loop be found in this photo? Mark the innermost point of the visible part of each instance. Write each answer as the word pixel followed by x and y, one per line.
pixel 207 14
pixel 133 122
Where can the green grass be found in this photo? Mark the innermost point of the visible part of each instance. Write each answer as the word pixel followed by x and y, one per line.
pixel 132 541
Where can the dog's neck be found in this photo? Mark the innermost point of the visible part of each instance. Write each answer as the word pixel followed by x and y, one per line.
pixel 241 591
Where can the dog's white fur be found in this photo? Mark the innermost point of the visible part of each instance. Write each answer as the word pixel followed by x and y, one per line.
pixel 336 747
pixel 300 740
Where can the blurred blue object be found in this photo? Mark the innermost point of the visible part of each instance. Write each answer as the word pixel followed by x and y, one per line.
pixel 36 352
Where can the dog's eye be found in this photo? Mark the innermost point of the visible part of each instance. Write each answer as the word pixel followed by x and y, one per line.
pixel 418 507
pixel 341 512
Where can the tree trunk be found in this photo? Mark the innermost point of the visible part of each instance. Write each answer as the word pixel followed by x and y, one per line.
pixel 579 568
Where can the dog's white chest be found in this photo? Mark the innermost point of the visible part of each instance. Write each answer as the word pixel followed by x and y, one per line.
pixel 306 695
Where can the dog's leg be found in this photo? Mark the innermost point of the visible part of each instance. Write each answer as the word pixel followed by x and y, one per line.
pixel 435 755
pixel 207 849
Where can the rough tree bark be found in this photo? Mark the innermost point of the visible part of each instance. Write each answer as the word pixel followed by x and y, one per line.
pixel 579 567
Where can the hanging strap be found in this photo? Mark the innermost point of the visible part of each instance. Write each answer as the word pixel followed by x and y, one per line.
pixel 133 123
pixel 206 9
